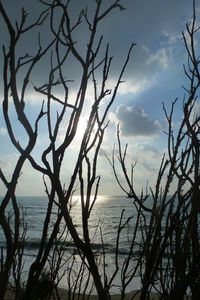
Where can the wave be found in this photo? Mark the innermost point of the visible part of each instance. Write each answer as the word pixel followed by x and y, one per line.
pixel 33 245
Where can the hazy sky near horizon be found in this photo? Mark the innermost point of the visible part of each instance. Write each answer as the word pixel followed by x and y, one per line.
pixel 154 75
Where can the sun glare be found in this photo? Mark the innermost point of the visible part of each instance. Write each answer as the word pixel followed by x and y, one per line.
pixel 81 127
pixel 83 121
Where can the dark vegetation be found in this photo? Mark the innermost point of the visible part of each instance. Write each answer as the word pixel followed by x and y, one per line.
pixel 169 257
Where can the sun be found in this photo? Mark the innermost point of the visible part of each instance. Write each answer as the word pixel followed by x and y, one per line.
pixel 82 124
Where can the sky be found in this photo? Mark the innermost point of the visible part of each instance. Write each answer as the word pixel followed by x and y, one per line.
pixel 154 75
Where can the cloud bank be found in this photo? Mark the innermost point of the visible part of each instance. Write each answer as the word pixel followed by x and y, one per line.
pixel 134 122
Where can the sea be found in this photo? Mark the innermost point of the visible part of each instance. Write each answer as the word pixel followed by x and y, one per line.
pixel 103 226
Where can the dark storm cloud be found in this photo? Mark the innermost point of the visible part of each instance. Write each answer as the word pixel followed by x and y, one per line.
pixel 134 122
pixel 150 24
pixel 143 22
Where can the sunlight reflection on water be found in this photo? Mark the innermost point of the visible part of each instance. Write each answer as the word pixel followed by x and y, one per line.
pixel 104 218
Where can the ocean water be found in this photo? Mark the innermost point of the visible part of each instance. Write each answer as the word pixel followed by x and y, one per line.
pixel 103 226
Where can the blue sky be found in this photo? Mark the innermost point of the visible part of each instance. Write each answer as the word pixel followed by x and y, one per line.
pixel 154 75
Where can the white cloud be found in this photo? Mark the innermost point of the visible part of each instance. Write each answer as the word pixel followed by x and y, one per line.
pixel 134 122
pixel 133 86
pixel 144 70
pixel 146 155
pixel 3 131
pixel 195 113
pixel 29 182
pixel 34 98
pixel 172 37
pixel 7 163
pixel 161 57
pixel 147 158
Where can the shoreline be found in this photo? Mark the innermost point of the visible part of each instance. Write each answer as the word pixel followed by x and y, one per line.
pixel 63 294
